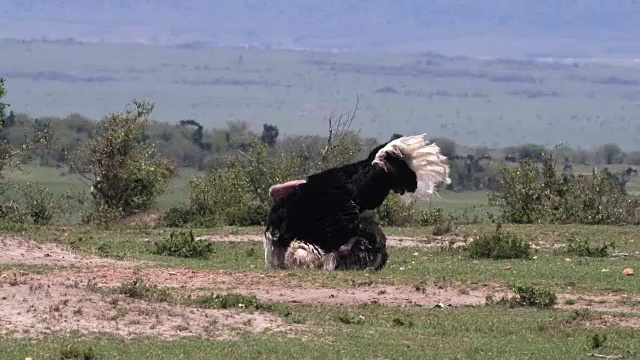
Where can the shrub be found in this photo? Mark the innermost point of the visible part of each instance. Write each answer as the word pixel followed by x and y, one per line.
pixel 29 202
pixel 138 289
pixel 76 352
pixel 442 223
pixel 183 244
pixel 527 296
pixel 394 212
pixel 39 203
pixel 580 247
pixel 6 151
pixel 499 245
pixel 127 174
pixel 254 214
pixel 528 194
pixel 532 297
pixel 443 228
pixel 226 301
pixel 431 217
pixel 237 194
pixel 178 216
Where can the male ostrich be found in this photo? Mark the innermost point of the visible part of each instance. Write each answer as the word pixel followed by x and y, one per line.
pixel 323 222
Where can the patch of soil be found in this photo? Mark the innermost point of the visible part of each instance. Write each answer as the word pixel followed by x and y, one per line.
pixel 612 303
pixel 279 287
pixel 174 277
pixel 232 238
pixel 147 219
pixel 447 241
pixel 32 305
pixel 606 321
pixel 24 251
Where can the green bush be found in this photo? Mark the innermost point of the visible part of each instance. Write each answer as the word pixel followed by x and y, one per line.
pixel 225 301
pixel 140 290
pixel 526 296
pixel 532 297
pixel 178 217
pixel 237 194
pixel 528 194
pixel 39 203
pixel 582 247
pixel 441 222
pixel 499 245
pixel 393 212
pixel 29 202
pixel 5 148
pixel 183 244
pixel 125 171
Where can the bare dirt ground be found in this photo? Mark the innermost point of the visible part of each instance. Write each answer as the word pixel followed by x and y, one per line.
pixel 20 251
pixel 393 241
pixel 442 242
pixel 30 307
pixel 65 298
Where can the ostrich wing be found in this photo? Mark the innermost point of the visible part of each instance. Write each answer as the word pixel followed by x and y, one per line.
pixel 321 211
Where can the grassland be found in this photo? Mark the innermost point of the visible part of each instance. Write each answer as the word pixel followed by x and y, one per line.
pixel 312 314
pixel 468 203
pixel 73 291
pixel 475 102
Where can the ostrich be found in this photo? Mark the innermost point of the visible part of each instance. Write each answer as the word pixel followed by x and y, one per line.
pixel 324 222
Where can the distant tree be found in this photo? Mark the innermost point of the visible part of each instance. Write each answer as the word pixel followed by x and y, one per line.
pixel 468 172
pixel 197 134
pixel 447 146
pixel 568 166
pixel 10 120
pixel 533 152
pixel 609 153
pixel 126 174
pixel 269 134
pixel 5 148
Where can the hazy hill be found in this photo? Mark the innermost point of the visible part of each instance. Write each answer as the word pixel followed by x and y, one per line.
pixel 491 27
pixel 476 102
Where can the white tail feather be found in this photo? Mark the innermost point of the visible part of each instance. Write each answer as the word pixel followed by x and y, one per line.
pixel 423 158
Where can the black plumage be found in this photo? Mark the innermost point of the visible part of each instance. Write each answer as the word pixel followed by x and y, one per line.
pixel 328 211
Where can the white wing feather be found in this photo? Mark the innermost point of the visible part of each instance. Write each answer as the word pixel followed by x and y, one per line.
pixel 423 158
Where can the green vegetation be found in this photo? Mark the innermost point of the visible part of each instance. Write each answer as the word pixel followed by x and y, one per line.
pixel 183 244
pixel 138 289
pixel 380 334
pixel 529 296
pixel 582 247
pixel 494 102
pixel 130 188
pixel 499 245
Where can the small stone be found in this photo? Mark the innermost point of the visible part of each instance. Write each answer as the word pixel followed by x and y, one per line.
pixel 628 271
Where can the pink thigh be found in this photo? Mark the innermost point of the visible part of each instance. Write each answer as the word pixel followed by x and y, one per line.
pixel 279 190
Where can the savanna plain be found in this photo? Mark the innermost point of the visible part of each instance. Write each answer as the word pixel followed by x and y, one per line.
pixel 127 237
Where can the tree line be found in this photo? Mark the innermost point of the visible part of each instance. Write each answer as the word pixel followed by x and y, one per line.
pixel 126 162
pixel 189 144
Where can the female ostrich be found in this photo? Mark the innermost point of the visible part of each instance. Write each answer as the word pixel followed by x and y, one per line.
pixel 323 222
